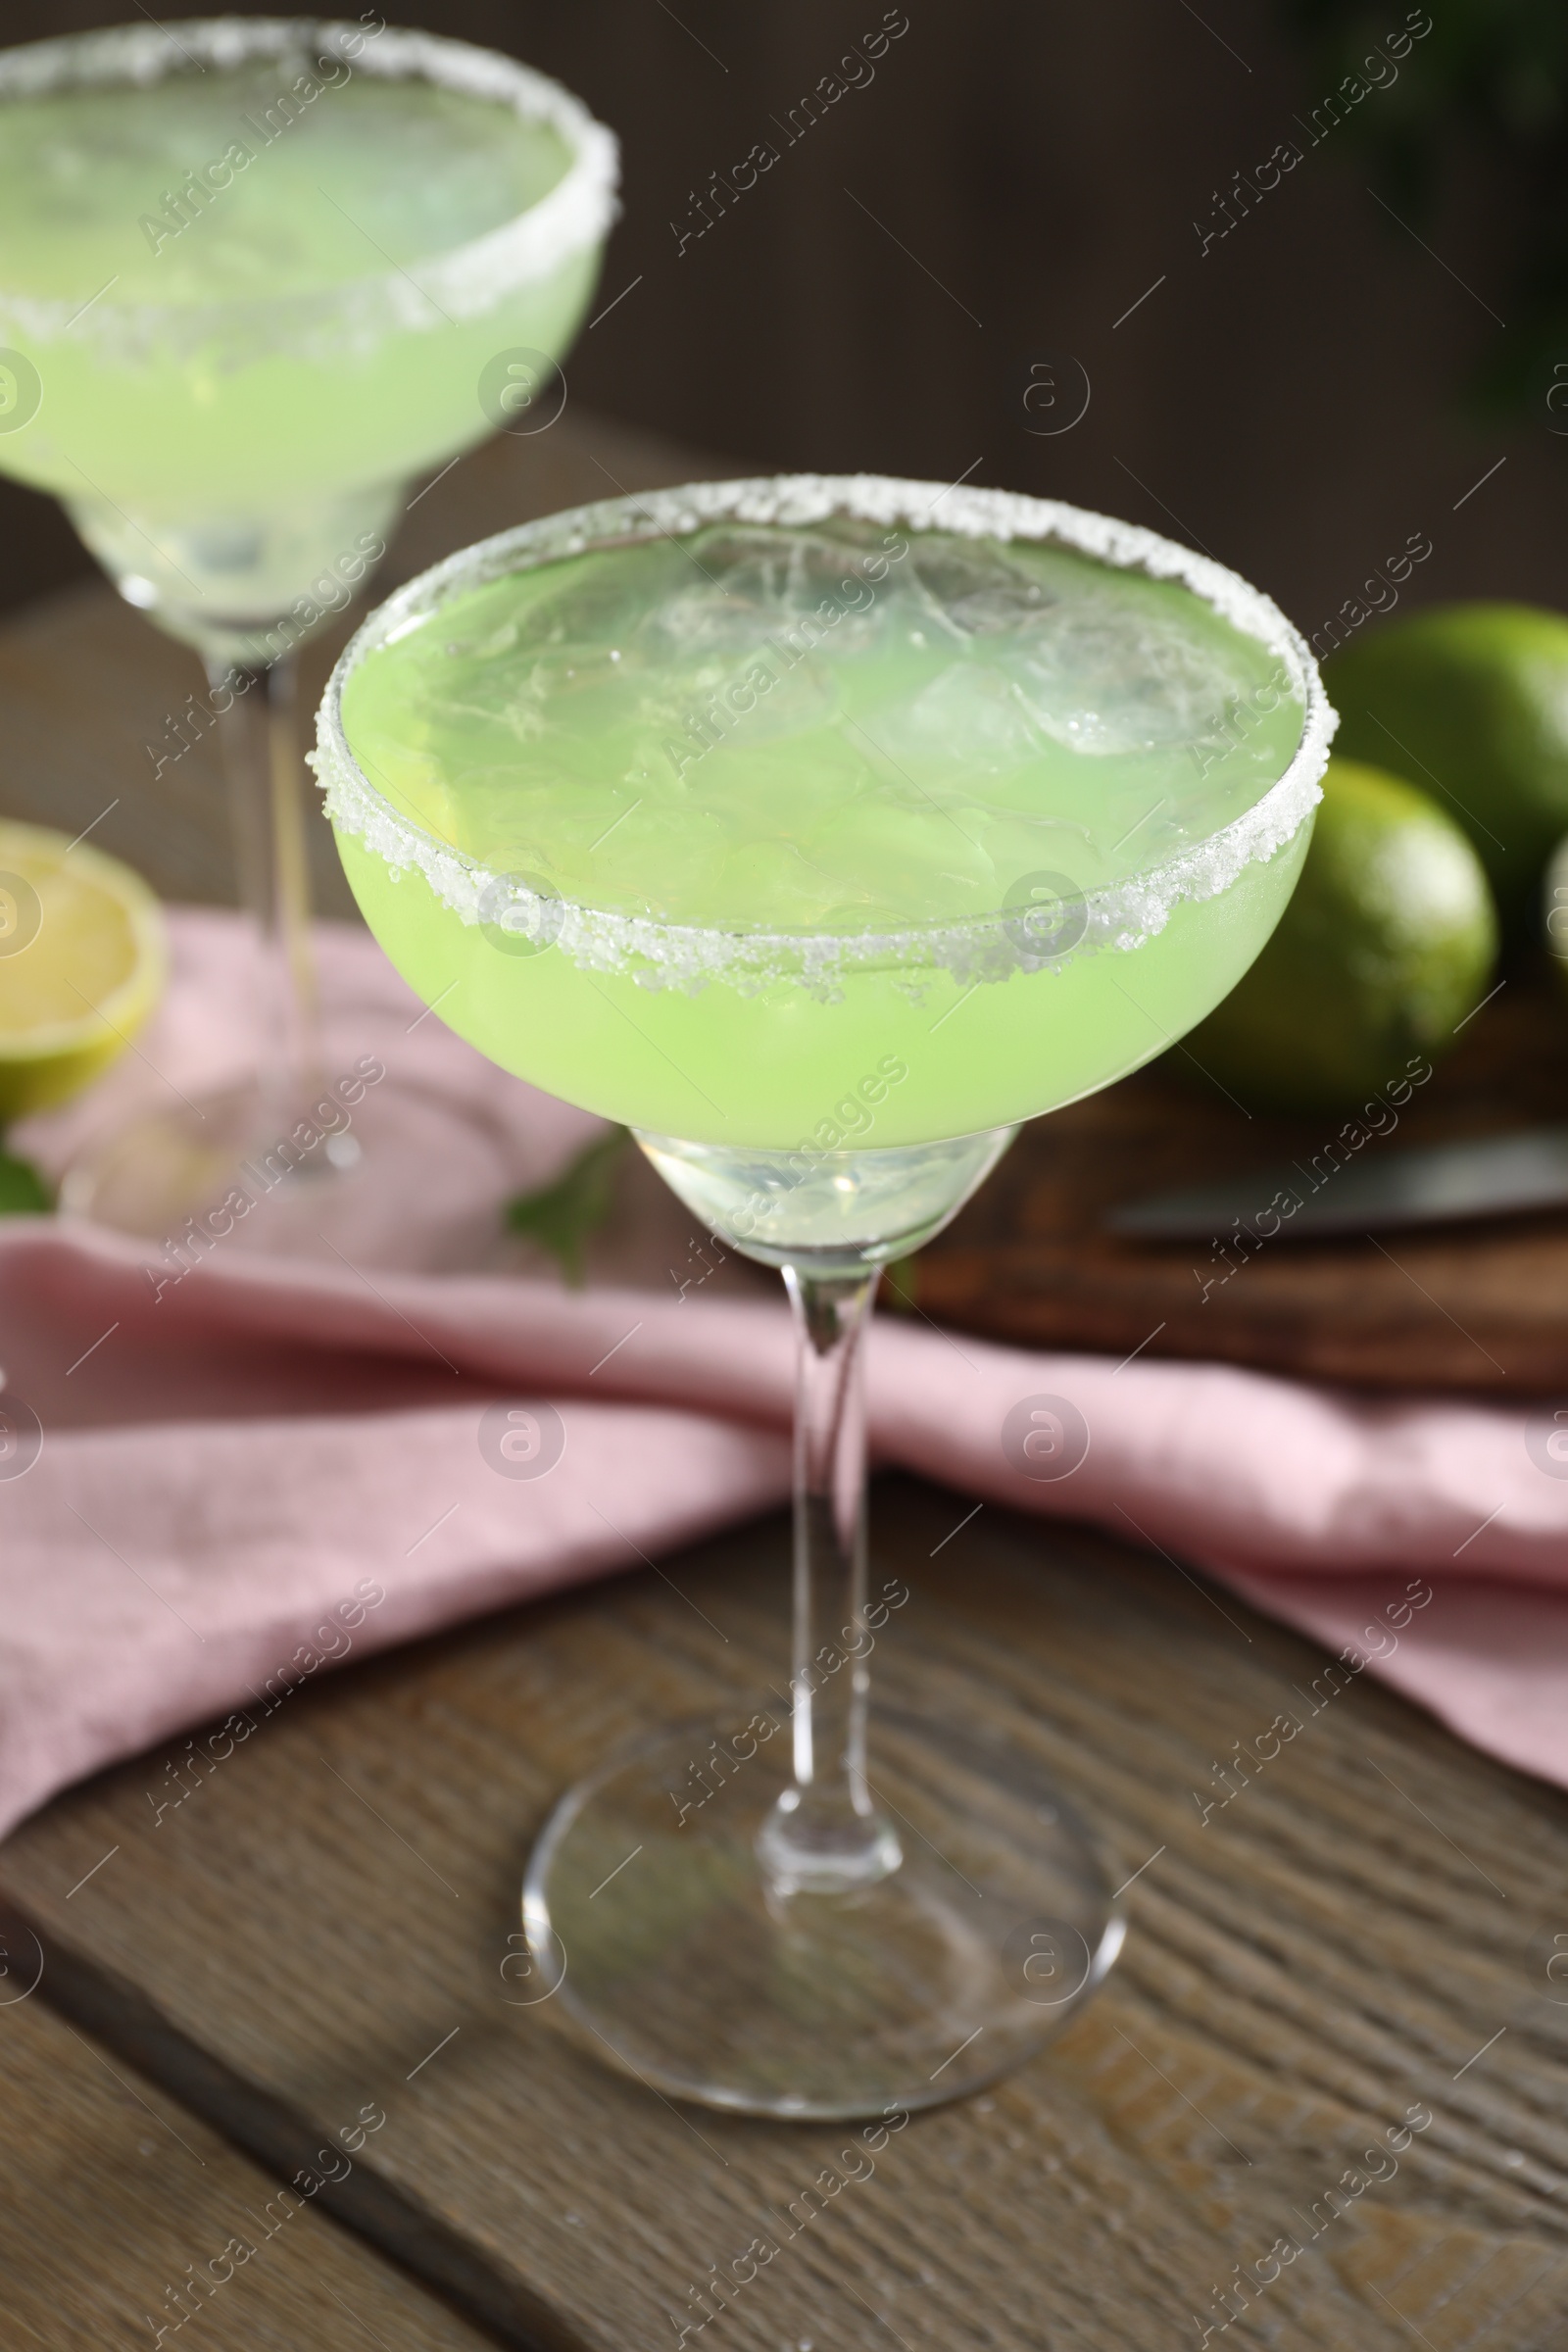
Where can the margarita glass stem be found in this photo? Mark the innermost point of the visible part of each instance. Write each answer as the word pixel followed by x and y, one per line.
pixel 824 1834
pixel 259 736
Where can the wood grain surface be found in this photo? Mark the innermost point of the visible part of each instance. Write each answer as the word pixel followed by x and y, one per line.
pixel 1363 1930
pixel 114 2198
pixel 1476 1306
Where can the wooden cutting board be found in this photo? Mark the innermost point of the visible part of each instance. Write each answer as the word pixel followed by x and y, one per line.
pixel 1477 1307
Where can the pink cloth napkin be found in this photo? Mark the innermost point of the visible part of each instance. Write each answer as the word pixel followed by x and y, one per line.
pixel 215 1487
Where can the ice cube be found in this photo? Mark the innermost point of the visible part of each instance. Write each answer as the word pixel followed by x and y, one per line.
pixel 699 622
pixel 758 697
pixel 971 590
pixel 1105 676
pixel 786 570
pixel 596 603
pixel 744 586
pixel 970 720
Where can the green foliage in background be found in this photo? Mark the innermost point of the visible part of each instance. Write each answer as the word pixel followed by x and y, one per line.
pixel 22 1192
pixel 563 1216
pixel 1487 87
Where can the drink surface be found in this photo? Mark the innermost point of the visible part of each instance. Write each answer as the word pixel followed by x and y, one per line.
pixel 844 729
pixel 226 186
pixel 958 766
pixel 229 288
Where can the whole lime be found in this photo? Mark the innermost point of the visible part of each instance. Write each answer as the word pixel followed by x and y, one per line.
pixel 1387 944
pixel 1470 701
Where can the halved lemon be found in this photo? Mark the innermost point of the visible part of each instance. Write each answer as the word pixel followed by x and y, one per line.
pixel 82 961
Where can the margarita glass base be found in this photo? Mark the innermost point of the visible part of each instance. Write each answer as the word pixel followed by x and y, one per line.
pixel 769 1915
pixel 412 1184
pixel 669 1949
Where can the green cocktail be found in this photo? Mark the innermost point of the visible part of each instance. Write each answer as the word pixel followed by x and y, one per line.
pixel 253 275
pixel 783 837
pixel 822 831
pixel 256 275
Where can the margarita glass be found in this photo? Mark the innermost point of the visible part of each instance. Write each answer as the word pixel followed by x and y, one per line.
pixel 257 275
pixel 823 830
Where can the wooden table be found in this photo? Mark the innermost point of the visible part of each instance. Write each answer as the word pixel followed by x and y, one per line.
pixel 114 2195
pixel 316 1935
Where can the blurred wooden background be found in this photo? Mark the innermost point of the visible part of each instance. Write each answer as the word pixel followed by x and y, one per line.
pixel 1012 179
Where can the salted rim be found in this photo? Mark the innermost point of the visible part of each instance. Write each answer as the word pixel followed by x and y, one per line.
pixel 1122 914
pixel 467 281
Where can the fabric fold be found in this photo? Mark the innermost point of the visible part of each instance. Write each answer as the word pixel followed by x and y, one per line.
pixel 264 1467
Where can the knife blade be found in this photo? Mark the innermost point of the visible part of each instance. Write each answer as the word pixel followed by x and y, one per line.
pixel 1433 1184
